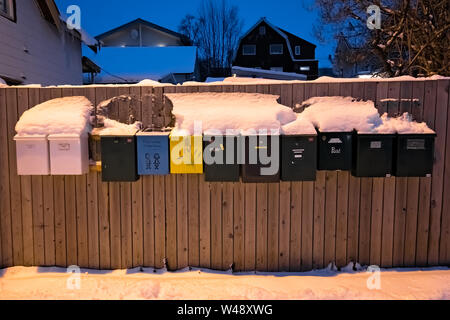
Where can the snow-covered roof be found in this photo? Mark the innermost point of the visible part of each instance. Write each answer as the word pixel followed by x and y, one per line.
pixel 134 64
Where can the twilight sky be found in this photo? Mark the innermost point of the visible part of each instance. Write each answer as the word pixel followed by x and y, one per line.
pixel 102 15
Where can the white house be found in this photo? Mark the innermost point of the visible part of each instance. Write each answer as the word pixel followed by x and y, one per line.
pixel 36 47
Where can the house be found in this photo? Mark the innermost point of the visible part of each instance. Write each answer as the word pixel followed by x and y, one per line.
pixel 141 50
pixel 266 46
pixel 36 46
pixel 349 61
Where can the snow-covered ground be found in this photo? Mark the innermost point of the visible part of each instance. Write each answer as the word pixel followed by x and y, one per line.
pixel 56 283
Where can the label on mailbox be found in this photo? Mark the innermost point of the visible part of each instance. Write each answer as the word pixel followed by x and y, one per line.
pixel 375 144
pixel 64 146
pixel 415 144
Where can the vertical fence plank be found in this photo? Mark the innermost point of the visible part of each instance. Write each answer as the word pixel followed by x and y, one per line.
pixel 171 221
pixel 148 220
pixel 341 218
pixel 296 225
pixel 194 219
pixel 216 225
pixel 182 221
pixel 26 194
pixel 239 227
pixel 273 220
pixel 319 222
pixel 376 221
pixel 38 202
pixel 227 225
pixel 205 223
pixel 5 209
pixel 250 224
pixel 261 227
pixel 444 245
pixel 330 217
pixel 160 220
pixel 284 209
pixel 307 223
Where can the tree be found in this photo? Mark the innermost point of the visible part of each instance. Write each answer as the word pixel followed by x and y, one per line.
pixel 413 38
pixel 215 31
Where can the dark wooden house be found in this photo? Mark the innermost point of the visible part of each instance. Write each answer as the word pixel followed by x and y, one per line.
pixel 268 47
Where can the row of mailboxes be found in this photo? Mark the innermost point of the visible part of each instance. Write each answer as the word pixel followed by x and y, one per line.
pixel 56 154
pixel 299 156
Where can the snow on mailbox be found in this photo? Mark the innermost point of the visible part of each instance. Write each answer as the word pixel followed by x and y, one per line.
pixel 65 122
pixel 153 153
pixel 336 119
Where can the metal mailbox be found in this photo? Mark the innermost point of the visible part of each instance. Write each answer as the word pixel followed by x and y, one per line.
pixel 298 157
pixel 153 153
pixel 373 154
pixel 414 155
pixel 119 161
pixel 225 152
pixel 32 155
pixel 256 146
pixel 69 154
pixel 186 154
pixel 335 150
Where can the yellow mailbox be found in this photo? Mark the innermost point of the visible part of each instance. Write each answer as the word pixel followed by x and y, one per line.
pixel 186 153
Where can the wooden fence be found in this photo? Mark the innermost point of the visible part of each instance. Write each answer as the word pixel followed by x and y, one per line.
pixel 184 221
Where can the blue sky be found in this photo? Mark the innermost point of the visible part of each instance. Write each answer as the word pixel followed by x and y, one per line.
pixel 99 16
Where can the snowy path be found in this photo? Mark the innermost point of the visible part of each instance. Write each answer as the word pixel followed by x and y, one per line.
pixel 51 283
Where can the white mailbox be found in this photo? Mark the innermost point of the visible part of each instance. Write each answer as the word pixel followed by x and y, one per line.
pixel 32 155
pixel 69 154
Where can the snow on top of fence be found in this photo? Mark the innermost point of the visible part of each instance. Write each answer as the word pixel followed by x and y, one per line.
pixel 68 115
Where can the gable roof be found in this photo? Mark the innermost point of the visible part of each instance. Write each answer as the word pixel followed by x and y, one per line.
pixel 281 32
pixel 185 40
pixel 49 11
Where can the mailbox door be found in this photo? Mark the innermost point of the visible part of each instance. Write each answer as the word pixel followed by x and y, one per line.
pixel 194 147
pixel 226 171
pixel 251 172
pixel 153 154
pixel 119 159
pixel 373 155
pixel 335 151
pixel 415 155
pixel 298 158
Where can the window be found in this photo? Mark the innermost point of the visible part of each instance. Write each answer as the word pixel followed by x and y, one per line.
pixel 276 49
pixel 7 9
pixel 304 68
pixel 249 49
pixel 279 69
pixel 262 30
pixel 297 50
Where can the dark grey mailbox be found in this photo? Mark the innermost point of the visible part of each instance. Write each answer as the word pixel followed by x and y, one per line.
pixel 414 155
pixel 119 158
pixel 335 150
pixel 257 150
pixel 224 149
pixel 372 155
pixel 298 157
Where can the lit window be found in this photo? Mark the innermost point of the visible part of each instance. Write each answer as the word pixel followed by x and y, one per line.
pixel 276 49
pixel 249 49
pixel 297 50
pixel 262 30
pixel 7 9
pixel 304 68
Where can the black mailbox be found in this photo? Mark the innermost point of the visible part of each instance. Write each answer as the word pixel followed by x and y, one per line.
pixel 257 149
pixel 298 157
pixel 372 155
pixel 335 150
pixel 119 161
pixel 414 155
pixel 224 149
